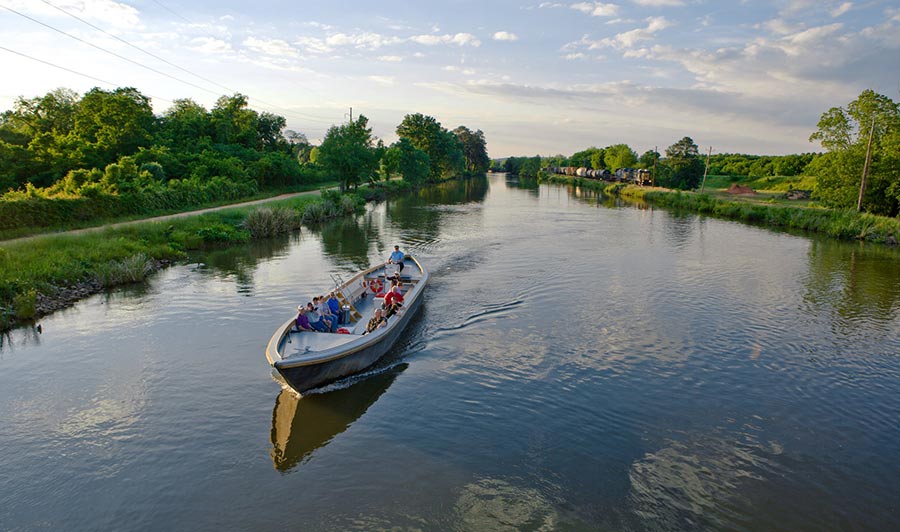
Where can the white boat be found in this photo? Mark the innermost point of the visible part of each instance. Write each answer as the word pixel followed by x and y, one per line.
pixel 307 360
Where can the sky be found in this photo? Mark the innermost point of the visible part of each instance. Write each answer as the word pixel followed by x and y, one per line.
pixel 537 77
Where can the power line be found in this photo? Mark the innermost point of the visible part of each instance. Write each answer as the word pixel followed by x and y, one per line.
pixel 122 57
pixel 136 47
pixel 72 71
pixel 301 116
pixel 160 4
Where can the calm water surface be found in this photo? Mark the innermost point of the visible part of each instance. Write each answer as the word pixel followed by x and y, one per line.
pixel 575 366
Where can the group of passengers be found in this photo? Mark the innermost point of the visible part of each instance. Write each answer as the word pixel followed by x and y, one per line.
pixel 324 314
pixel 393 300
pixel 321 314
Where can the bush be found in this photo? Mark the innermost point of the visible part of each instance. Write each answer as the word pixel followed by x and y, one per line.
pixel 265 222
pixel 133 269
pixel 24 304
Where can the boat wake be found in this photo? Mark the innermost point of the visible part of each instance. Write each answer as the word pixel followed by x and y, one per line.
pixel 347 382
pixel 487 311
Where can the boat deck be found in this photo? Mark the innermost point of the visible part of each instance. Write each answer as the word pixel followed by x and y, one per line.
pixel 298 343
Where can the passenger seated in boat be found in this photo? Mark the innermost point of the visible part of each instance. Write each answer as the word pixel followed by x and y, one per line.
pixel 325 313
pixel 377 321
pixel 302 321
pixel 335 306
pixel 393 301
pixel 315 321
pixel 397 258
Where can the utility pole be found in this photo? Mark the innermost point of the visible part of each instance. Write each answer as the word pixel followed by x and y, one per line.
pixel 705 170
pixel 655 159
pixel 862 184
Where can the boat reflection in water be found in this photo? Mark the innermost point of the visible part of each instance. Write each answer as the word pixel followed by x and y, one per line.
pixel 302 425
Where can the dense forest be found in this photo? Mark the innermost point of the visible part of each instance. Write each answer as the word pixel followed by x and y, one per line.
pixel 66 157
pixel 844 132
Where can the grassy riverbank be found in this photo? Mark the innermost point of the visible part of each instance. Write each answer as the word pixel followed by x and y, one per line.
pixel 72 223
pixel 842 224
pixel 51 272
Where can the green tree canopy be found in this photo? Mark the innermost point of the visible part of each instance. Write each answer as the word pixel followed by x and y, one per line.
pixel 348 152
pixel 474 149
pixel 844 132
pixel 619 156
pixel 443 148
pixel 683 167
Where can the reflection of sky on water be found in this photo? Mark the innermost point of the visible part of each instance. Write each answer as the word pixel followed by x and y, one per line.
pixel 574 366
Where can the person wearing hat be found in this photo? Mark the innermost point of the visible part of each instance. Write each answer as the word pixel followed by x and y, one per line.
pixel 302 322
pixel 397 258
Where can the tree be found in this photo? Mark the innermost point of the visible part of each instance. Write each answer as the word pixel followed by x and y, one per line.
pixel 443 148
pixel 587 158
pixel 683 167
pixel 649 159
pixel 619 156
pixel 474 149
pixel 268 132
pixel 184 123
pixel 412 163
pixel 348 152
pixel 110 124
pixel 844 133
pixel 233 122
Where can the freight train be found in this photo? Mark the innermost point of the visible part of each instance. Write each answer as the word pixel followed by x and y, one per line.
pixel 638 176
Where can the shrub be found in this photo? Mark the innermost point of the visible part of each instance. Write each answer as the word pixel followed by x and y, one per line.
pixel 266 222
pixel 133 269
pixel 24 304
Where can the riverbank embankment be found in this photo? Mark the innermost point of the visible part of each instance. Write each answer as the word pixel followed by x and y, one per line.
pixel 42 274
pixel 841 224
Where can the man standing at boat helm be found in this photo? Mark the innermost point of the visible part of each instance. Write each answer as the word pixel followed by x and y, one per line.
pixel 397 258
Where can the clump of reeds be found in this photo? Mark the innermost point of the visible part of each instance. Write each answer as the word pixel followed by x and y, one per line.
pixel 133 269
pixel 266 222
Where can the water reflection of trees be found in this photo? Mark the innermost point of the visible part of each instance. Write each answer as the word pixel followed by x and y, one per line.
pixel 530 184
pixel 240 261
pixel 853 282
pixel 300 426
pixel 410 212
pixel 348 239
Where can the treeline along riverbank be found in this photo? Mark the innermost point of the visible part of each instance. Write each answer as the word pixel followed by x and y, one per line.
pixel 844 224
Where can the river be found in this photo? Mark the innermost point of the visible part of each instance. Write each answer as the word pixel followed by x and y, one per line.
pixel 576 365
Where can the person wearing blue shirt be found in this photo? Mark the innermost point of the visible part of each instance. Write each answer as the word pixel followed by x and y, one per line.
pixel 397 257
pixel 334 305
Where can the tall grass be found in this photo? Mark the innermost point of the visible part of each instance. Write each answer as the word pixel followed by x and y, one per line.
pixel 266 222
pixel 133 269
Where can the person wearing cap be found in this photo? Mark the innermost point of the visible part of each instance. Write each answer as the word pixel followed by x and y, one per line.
pixel 397 258
pixel 302 321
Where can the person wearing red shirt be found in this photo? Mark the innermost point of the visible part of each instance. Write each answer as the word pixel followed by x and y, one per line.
pixel 393 300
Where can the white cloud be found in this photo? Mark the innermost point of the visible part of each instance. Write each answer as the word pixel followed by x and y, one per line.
pixel 841 9
pixel 623 40
pixel 659 3
pixel 390 58
pixel 364 41
pixel 209 45
pixel 574 56
pixel 383 80
pixel 313 45
pixel 452 68
pixel 780 26
pixel 597 9
pixel 112 14
pixel 459 39
pixel 274 47
pixel 505 36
